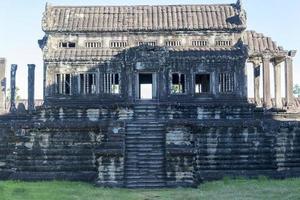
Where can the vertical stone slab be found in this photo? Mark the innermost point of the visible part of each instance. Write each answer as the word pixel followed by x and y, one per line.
pixel 3 85
pixel 31 77
pixel 289 81
pixel 277 81
pixel 256 75
pixel 13 71
pixel 245 80
pixel 266 83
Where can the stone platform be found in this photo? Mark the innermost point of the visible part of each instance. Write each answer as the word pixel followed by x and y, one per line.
pixel 149 145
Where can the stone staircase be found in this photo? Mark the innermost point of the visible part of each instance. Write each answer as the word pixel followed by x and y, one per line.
pixel 145 112
pixel 145 150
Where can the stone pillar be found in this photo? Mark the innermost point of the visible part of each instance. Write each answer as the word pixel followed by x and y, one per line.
pixel 289 81
pixel 3 85
pixel 266 83
pixel 277 83
pixel 256 75
pixel 13 71
pixel 245 80
pixel 31 77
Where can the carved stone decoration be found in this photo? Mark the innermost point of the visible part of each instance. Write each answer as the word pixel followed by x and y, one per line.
pixel 31 77
pixel 13 88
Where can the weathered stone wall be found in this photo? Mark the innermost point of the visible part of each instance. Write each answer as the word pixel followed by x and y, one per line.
pixel 52 153
pixel 213 149
pixel 180 155
pixel 134 38
pixel 110 157
pixel 65 150
pixel 6 149
pixel 202 142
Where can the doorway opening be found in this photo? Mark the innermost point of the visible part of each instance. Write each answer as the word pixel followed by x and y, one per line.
pixel 202 83
pixel 145 86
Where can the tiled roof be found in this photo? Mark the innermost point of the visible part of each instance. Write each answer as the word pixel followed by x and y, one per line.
pixel 144 18
pixel 258 43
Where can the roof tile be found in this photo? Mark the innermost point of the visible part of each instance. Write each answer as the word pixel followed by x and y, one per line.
pixel 138 18
pixel 258 43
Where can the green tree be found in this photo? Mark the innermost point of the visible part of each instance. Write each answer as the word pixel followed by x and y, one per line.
pixel 297 90
pixel 8 94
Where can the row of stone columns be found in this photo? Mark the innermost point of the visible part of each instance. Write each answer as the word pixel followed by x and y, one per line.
pixel 31 77
pixel 265 61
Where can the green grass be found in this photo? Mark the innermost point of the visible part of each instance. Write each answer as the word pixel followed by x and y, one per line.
pixel 261 188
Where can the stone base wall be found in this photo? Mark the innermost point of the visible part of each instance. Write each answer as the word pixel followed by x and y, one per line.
pixel 212 150
pixel 6 148
pixel 65 151
pixel 58 145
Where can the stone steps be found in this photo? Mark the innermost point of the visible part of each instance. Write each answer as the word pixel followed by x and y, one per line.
pixel 145 112
pixel 143 185
pixel 145 151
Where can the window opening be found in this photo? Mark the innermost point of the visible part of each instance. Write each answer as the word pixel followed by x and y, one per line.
pixel 178 83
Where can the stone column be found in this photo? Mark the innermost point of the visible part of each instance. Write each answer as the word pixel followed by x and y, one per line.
pixel 256 75
pixel 31 77
pixel 289 80
pixel 245 80
pixel 13 71
pixel 277 83
pixel 266 83
pixel 3 85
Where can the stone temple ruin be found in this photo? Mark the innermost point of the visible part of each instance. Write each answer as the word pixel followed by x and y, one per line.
pixel 153 96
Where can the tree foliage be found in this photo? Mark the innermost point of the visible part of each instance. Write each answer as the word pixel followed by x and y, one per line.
pixel 297 90
pixel 17 94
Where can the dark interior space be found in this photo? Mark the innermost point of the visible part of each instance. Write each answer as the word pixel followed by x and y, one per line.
pixel 145 78
pixel 202 83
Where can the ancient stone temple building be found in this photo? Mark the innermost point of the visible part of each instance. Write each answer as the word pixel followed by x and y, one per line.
pixel 182 53
pixel 154 96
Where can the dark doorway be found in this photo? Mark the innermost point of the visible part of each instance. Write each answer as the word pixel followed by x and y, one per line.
pixel 145 86
pixel 202 83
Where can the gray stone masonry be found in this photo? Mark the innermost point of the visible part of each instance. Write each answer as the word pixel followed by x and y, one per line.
pixel 13 72
pixel 31 78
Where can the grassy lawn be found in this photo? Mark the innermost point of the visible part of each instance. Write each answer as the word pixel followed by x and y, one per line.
pixel 219 190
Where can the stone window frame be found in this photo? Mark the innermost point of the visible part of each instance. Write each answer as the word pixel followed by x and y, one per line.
pixel 118 44
pixel 87 90
pixel 108 81
pixel 223 43
pixel 199 43
pixel 149 43
pixel 229 82
pixel 60 85
pixel 93 44
pixel 173 43
pixel 67 44
pixel 171 83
